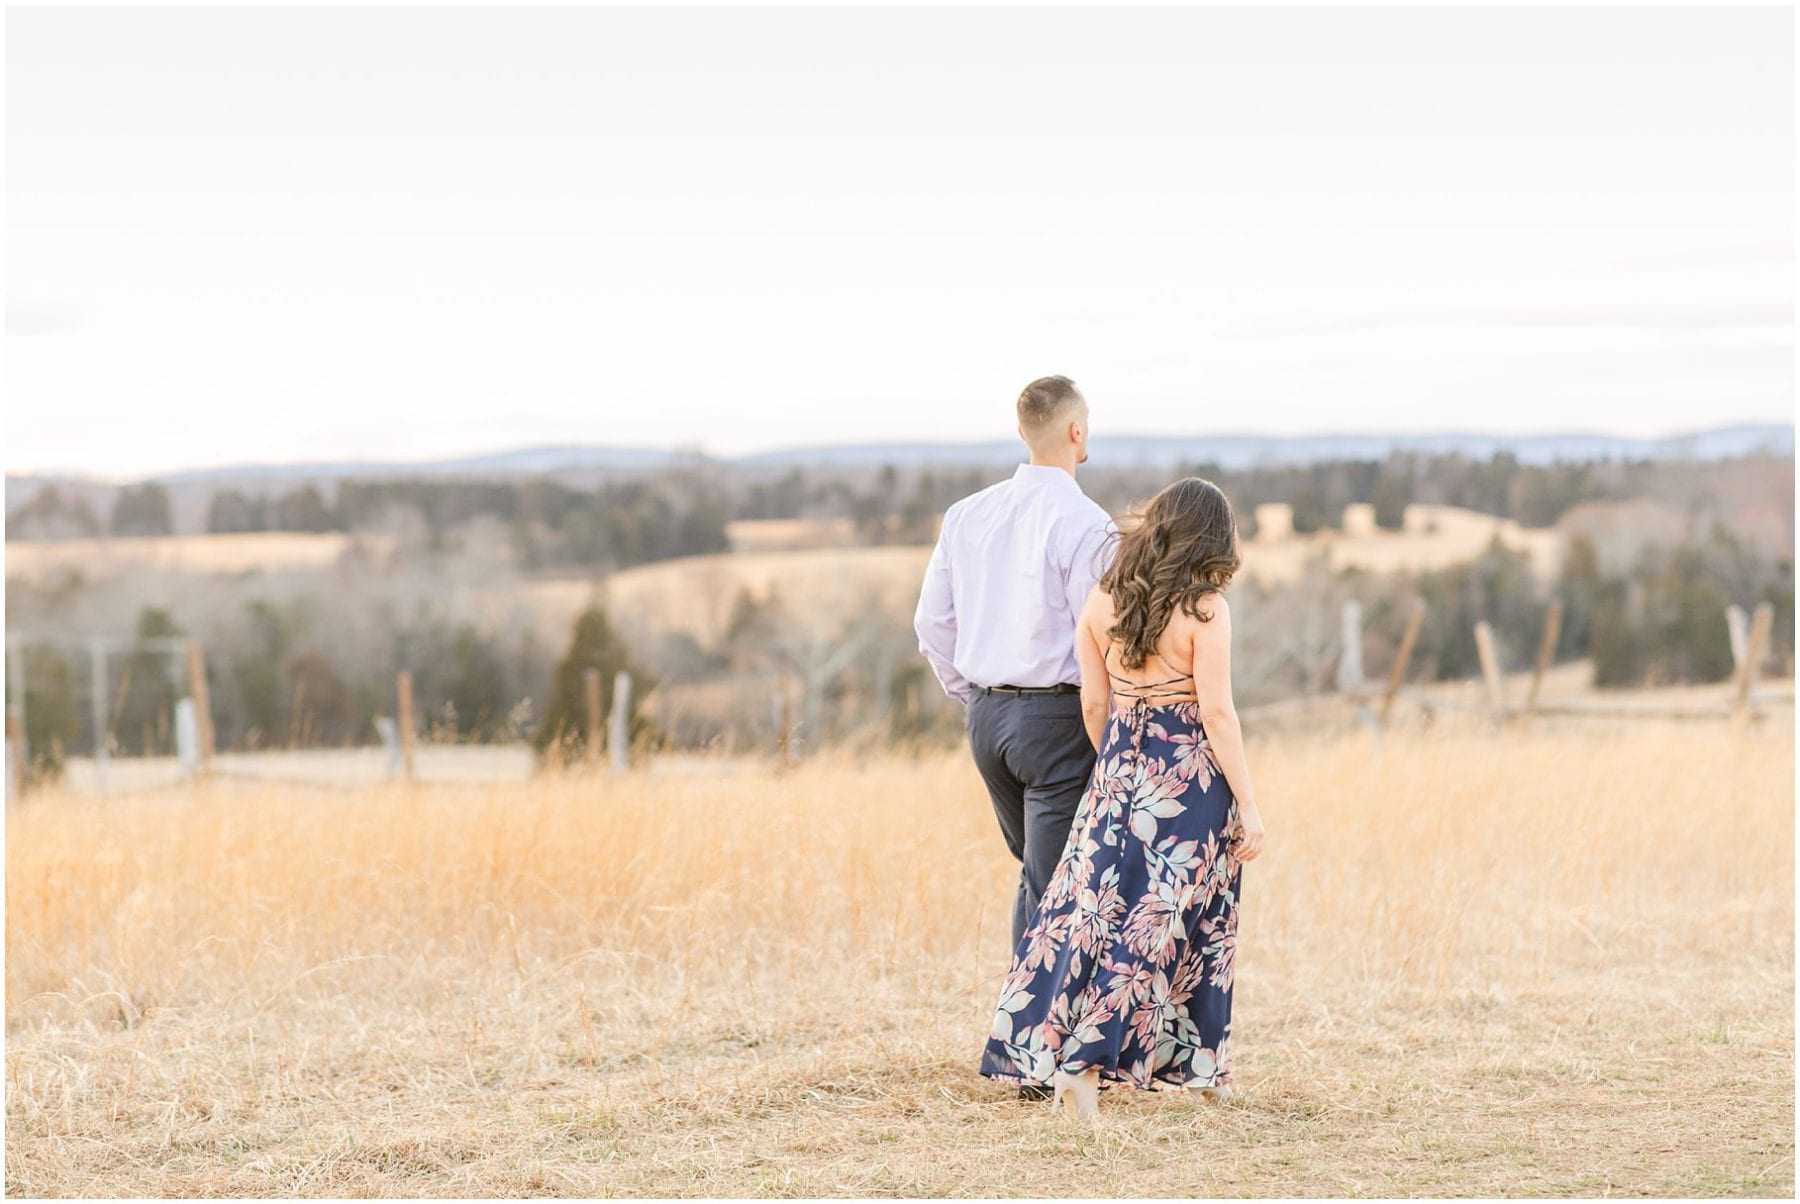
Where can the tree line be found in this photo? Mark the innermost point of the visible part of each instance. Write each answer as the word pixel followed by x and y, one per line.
pixel 549 524
pixel 684 511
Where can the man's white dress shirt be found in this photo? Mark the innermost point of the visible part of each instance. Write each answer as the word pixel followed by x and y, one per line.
pixel 1012 567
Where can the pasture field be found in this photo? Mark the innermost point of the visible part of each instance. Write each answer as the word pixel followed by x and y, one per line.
pixel 815 576
pixel 1557 960
pixel 237 553
pixel 696 594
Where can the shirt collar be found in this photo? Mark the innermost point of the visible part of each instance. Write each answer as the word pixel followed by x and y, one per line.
pixel 1042 474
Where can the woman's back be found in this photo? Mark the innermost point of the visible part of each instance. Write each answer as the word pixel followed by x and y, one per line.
pixel 1167 675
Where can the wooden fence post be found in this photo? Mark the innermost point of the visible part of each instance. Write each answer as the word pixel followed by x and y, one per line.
pixel 590 686
pixel 1737 627
pixel 1350 662
pixel 778 705
pixel 1397 675
pixel 297 713
pixel 619 732
pixel 884 690
pixel 389 731
pixel 15 712
pixel 15 758
pixel 97 709
pixel 1754 647
pixel 1490 666
pixel 404 720
pixel 1546 650
pixel 198 691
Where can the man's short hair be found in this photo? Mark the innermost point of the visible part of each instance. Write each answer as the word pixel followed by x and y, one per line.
pixel 1044 400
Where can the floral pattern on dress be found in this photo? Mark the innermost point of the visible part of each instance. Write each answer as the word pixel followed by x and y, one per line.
pixel 1128 963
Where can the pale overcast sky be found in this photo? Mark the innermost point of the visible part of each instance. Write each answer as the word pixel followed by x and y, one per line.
pixel 271 234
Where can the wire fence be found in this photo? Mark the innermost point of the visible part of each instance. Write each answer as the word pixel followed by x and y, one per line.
pixel 113 716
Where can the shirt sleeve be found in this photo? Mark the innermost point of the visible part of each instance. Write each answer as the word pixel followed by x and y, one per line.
pixel 1089 560
pixel 935 621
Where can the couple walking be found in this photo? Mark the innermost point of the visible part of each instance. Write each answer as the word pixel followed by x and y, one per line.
pixel 1093 660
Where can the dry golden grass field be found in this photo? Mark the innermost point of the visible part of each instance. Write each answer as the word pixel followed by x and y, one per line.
pixel 1547 961
pixel 178 553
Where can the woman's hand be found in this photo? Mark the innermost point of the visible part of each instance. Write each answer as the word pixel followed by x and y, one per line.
pixel 1247 838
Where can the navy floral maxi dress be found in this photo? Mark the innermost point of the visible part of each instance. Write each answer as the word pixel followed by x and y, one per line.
pixel 1127 965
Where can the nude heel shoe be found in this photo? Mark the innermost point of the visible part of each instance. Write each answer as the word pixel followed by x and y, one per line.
pixel 1082 1091
pixel 1217 1095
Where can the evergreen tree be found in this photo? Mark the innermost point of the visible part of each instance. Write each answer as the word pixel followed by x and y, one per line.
pixel 148 686
pixel 52 712
pixel 232 510
pixel 593 644
pixel 1615 644
pixel 142 510
pixel 304 509
pixel 1391 492
pixel 49 515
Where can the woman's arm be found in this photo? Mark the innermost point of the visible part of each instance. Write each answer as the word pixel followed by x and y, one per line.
pixel 1096 686
pixel 1224 734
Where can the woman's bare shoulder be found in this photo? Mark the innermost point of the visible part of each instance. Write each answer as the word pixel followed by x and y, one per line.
pixel 1212 604
pixel 1099 605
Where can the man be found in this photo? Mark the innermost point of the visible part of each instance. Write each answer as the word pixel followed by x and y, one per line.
pixel 996 619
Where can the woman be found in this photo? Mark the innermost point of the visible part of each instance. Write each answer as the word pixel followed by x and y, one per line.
pixel 1124 976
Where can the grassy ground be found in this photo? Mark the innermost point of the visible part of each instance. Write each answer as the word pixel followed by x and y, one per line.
pixel 1551 962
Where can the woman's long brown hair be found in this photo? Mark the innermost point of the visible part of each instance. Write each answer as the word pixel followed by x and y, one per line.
pixel 1182 545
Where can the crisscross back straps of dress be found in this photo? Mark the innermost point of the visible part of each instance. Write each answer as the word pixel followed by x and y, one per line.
pixel 1150 689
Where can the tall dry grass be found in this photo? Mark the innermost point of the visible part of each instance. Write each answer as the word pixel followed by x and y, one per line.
pixel 1550 961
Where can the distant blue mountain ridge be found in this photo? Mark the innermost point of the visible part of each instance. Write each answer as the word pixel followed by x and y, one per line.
pixel 1245 451
pixel 1233 451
